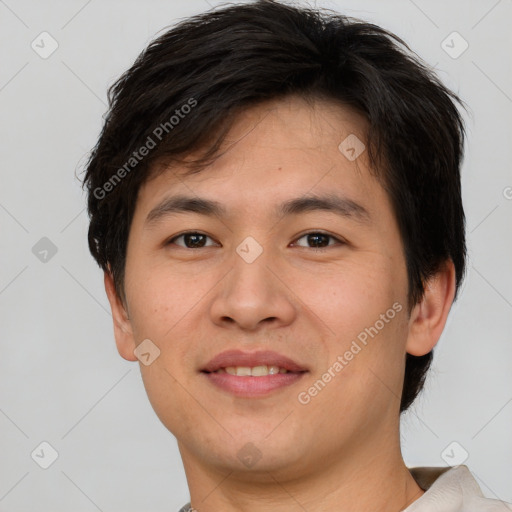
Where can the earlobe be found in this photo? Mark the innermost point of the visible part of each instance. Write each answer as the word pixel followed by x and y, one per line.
pixel 428 317
pixel 123 332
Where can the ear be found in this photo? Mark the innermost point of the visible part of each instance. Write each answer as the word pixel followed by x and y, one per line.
pixel 122 327
pixel 428 317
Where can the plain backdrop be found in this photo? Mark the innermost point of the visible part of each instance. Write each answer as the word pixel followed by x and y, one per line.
pixel 62 380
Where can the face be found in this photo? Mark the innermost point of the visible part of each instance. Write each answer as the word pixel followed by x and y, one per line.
pixel 277 279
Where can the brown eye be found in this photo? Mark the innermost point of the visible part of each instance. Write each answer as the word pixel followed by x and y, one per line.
pixel 318 240
pixel 191 240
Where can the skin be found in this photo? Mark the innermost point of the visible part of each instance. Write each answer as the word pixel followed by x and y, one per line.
pixel 340 451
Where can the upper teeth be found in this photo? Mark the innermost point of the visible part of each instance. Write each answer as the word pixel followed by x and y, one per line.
pixel 255 371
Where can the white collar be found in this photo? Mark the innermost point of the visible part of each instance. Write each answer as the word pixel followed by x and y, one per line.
pixel 451 489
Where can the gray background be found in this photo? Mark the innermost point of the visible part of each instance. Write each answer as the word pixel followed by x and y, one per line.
pixel 62 380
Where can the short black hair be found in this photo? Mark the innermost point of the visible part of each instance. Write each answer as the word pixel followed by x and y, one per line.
pixel 184 91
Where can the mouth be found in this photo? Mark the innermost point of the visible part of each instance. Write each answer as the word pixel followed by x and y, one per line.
pixel 255 371
pixel 256 374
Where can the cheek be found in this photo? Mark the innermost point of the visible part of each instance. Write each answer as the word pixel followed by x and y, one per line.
pixel 363 309
pixel 160 298
pixel 351 296
pixel 163 311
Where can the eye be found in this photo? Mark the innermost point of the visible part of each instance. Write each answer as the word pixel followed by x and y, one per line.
pixel 318 239
pixel 191 240
pixel 198 240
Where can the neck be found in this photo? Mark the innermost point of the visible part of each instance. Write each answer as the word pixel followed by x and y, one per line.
pixel 358 480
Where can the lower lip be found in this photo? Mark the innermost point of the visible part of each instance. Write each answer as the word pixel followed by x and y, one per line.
pixel 252 386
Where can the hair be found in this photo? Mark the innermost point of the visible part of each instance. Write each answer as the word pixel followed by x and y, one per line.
pixel 184 91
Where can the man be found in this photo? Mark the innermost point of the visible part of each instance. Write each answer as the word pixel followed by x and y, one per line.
pixel 275 202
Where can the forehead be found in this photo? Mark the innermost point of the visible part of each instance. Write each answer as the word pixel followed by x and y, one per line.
pixel 294 126
pixel 276 150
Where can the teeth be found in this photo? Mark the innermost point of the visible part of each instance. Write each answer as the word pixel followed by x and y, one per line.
pixel 256 371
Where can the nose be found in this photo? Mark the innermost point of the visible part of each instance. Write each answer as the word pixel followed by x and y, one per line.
pixel 253 295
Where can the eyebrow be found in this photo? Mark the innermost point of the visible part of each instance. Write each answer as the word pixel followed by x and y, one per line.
pixel 342 206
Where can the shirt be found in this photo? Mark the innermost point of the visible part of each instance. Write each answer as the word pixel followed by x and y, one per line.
pixel 451 489
pixel 447 489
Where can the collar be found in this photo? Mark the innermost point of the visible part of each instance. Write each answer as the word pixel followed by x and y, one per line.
pixel 451 489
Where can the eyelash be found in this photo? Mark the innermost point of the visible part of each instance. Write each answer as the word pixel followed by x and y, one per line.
pixel 342 242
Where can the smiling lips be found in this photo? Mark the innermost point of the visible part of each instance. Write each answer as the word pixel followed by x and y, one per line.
pixel 254 374
pixel 238 358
